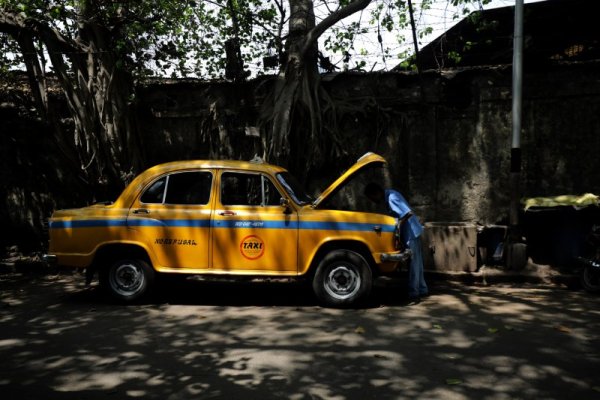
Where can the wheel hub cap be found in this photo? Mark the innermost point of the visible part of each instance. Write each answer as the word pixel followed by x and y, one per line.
pixel 342 282
pixel 127 278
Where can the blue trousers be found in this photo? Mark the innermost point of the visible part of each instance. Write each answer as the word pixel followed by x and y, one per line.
pixel 416 281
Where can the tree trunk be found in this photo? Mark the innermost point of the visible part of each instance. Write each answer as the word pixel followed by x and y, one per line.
pixel 106 134
pixel 296 103
pixel 98 95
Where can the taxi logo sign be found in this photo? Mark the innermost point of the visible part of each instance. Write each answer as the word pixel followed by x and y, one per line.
pixel 252 247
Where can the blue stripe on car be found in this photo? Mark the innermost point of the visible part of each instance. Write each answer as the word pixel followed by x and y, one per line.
pixel 206 223
pixel 343 226
pixel 97 223
pixel 87 223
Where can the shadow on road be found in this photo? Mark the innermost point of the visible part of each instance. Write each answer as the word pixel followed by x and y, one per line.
pixel 213 340
pixel 262 293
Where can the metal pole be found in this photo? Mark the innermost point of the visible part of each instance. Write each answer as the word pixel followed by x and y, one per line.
pixel 414 35
pixel 517 84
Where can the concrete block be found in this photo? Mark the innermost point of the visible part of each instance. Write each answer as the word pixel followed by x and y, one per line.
pixel 450 246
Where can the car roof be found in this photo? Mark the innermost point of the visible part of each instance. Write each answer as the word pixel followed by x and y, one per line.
pixel 152 173
pixel 259 166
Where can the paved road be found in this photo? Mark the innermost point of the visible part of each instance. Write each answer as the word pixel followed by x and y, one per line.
pixel 271 341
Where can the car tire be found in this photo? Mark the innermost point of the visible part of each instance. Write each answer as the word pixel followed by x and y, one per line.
pixel 128 280
pixel 590 279
pixel 342 279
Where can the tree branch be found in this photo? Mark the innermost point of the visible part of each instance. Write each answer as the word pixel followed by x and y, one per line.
pixel 331 20
pixel 35 72
pixel 11 23
pixel 14 24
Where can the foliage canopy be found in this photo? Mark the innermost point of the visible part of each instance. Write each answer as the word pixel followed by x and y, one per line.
pixel 188 37
pixel 96 49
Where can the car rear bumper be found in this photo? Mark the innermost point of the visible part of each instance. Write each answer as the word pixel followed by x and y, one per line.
pixel 50 258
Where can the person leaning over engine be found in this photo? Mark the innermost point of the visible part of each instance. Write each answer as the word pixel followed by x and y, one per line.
pixel 410 230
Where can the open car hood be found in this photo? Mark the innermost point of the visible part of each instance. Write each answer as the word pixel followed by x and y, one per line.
pixel 368 159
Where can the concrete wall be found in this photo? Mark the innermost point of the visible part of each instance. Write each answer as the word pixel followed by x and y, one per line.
pixel 446 137
pixel 448 146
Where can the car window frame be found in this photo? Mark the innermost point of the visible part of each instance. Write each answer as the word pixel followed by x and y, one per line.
pixel 263 176
pixel 166 188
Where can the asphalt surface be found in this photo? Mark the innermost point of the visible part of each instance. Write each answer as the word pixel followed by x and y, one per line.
pixel 198 340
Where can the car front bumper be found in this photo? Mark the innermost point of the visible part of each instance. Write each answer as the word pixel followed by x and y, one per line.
pixel 396 256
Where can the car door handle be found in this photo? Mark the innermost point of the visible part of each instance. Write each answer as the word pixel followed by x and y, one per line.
pixel 377 228
pixel 141 211
pixel 227 213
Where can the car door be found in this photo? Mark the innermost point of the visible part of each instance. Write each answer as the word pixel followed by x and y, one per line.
pixel 252 231
pixel 172 216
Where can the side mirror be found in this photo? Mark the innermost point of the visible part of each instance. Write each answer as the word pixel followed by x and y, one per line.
pixel 285 203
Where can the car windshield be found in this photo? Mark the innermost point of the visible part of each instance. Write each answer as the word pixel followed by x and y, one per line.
pixel 293 187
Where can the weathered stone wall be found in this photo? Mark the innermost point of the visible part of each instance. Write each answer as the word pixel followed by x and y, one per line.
pixel 35 178
pixel 446 136
pixel 448 145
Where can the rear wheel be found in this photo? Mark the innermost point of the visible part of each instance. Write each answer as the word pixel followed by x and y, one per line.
pixel 342 279
pixel 128 279
pixel 590 279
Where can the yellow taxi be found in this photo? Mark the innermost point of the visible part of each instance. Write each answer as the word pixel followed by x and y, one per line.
pixel 230 218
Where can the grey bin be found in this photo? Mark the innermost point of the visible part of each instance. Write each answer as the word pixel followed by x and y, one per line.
pixel 450 246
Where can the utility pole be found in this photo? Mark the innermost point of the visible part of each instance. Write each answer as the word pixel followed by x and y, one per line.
pixel 416 46
pixel 414 35
pixel 517 90
pixel 516 257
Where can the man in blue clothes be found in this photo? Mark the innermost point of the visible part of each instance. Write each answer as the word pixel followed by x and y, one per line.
pixel 410 231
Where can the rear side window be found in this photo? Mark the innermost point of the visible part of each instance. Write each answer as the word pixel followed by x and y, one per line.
pixel 248 190
pixel 187 188
pixel 155 194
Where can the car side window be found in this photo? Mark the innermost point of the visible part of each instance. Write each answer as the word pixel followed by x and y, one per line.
pixel 248 190
pixel 155 194
pixel 189 188
pixel 181 188
pixel 272 195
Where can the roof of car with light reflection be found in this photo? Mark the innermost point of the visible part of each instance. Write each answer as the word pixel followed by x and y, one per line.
pixel 152 173
pixel 216 164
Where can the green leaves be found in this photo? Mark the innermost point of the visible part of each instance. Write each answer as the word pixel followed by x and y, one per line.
pixel 180 38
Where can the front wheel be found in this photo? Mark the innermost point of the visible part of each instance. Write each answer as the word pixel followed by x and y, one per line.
pixel 128 279
pixel 590 279
pixel 342 279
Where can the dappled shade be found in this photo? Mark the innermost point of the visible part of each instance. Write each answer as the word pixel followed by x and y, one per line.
pixel 211 340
